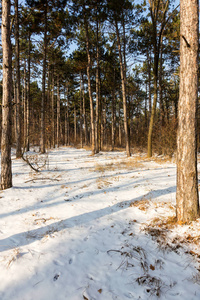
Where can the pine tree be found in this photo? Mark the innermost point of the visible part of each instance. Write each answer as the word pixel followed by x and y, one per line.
pixel 187 196
pixel 6 167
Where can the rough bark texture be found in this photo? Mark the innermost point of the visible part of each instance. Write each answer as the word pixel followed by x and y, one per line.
pixel 28 94
pixel 187 185
pixel 6 167
pixel 18 101
pixel 42 141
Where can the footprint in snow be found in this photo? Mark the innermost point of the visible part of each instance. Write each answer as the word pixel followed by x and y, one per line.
pixel 56 277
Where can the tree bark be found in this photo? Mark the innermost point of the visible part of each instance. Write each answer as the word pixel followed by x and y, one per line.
pixel 84 115
pixel 89 86
pixel 75 131
pixel 187 196
pixel 97 93
pixel 58 113
pixel 18 100
pixel 6 165
pixel 123 79
pixel 42 141
pixel 52 112
pixel 81 111
pixel 25 105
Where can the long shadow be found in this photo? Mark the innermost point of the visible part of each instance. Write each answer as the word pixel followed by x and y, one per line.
pixel 119 187
pixel 27 237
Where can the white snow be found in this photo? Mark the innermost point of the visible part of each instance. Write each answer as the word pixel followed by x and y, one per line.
pixel 69 232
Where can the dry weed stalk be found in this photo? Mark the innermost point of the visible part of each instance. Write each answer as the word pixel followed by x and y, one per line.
pixel 15 255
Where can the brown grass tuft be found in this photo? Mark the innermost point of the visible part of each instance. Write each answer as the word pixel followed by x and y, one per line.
pixel 142 204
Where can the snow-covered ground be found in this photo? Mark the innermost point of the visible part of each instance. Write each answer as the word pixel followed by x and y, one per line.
pixel 73 231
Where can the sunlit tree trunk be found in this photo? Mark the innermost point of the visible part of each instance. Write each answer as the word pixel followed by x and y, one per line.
pixel 84 115
pixel 42 141
pixel 75 130
pixel 28 95
pixel 92 120
pixel 18 100
pixel 52 111
pixel 187 196
pixel 58 113
pixel 6 166
pixel 97 93
pixel 81 111
pixel 123 80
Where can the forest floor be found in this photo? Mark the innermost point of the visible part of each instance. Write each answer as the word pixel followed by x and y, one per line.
pixel 95 227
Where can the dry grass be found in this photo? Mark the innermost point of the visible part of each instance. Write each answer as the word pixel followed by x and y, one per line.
pixel 129 164
pixel 142 204
pixel 14 256
pixel 102 183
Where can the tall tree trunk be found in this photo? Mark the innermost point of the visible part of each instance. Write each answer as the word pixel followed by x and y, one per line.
pixel 156 36
pixel 18 100
pixel 75 131
pixel 113 120
pixel 65 95
pixel 52 112
pixel 58 113
pixel 68 132
pixel 187 196
pixel 97 92
pixel 84 114
pixel 28 93
pixel 120 129
pixel 81 111
pixel 149 79
pixel 25 105
pixel 89 85
pixel 153 112
pixel 123 79
pixel 6 165
pixel 42 141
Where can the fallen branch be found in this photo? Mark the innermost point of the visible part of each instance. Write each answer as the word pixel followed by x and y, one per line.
pixel 36 162
pixel 30 165
pixel 34 179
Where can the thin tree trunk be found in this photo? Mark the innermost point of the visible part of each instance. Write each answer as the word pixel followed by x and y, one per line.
pixel 68 141
pixel 28 93
pixel 6 165
pixel 81 112
pixel 84 115
pixel 18 100
pixel 75 131
pixel 42 141
pixel 65 95
pixel 149 79
pixel 153 112
pixel 113 120
pixel 97 92
pixel 58 113
pixel 187 196
pixel 123 79
pixel 25 105
pixel 89 86
pixel 120 130
pixel 52 112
